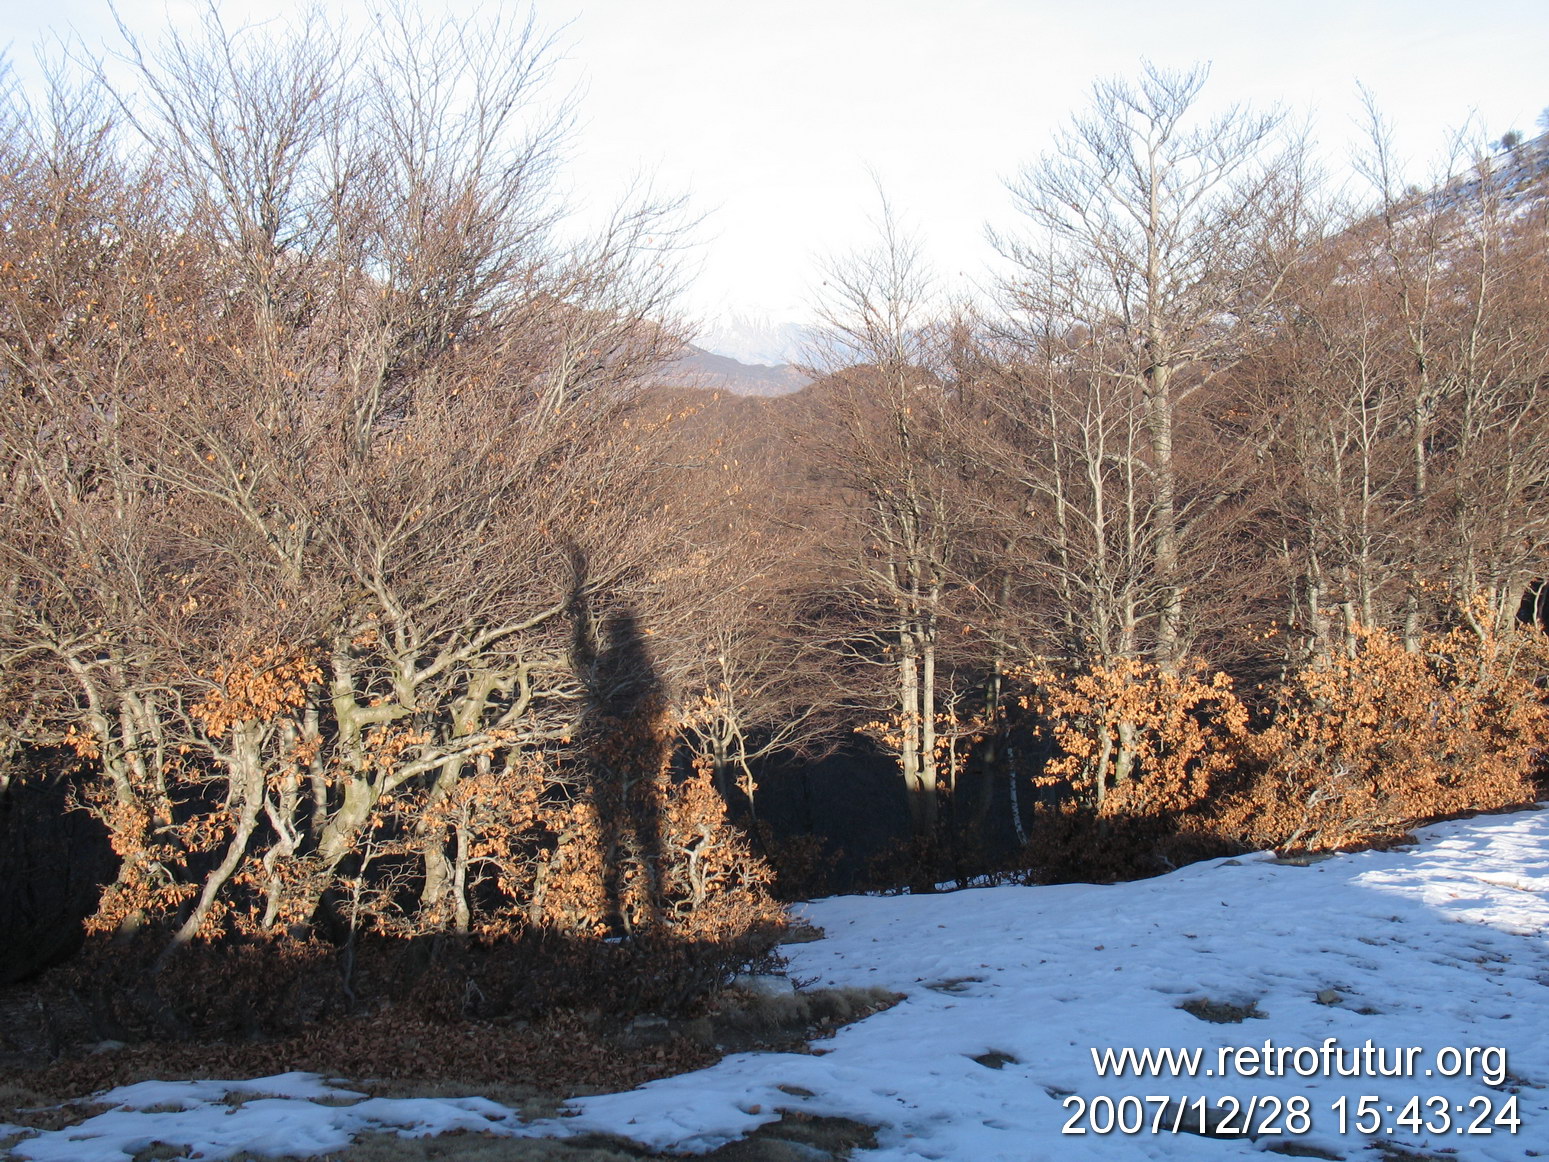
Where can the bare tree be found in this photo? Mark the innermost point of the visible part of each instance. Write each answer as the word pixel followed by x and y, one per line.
pixel 1409 378
pixel 304 445
pixel 1160 240
pixel 883 432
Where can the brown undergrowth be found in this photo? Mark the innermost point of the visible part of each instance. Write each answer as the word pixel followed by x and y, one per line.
pixel 568 1052
pixel 1155 769
pixel 528 1065
pixel 1379 739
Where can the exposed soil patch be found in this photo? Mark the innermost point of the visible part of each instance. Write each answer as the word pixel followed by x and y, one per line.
pixel 1221 1012
pixel 995 1059
pixel 794 1137
pixel 1302 1150
pixel 956 984
pixel 567 1053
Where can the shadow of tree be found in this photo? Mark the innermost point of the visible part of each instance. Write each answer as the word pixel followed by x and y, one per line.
pixel 53 863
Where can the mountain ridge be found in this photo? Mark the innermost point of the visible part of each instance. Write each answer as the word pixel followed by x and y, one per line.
pixel 709 371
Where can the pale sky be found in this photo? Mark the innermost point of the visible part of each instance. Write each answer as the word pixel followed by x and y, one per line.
pixel 771 116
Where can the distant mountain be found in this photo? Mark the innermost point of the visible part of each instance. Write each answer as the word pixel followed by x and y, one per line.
pixel 698 368
pixel 754 339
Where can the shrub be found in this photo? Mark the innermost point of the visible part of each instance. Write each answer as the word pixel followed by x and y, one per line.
pixel 1134 739
pixel 1374 740
pixel 1071 843
pixel 805 866
pixel 1153 769
pixel 282 986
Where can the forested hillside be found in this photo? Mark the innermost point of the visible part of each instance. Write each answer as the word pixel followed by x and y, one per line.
pixel 394 632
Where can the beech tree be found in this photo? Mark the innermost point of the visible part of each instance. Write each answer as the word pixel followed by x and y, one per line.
pixel 884 432
pixel 1158 242
pixel 1461 275
pixel 731 618
pixel 1406 394
pixel 754 680
pixel 320 476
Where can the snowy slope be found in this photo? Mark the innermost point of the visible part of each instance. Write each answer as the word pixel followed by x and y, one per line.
pixel 1433 950
pixel 1440 946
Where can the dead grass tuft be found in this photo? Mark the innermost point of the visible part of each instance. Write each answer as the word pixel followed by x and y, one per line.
pixel 1221 1012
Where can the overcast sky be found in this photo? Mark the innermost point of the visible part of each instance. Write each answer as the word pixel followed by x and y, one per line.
pixel 771 115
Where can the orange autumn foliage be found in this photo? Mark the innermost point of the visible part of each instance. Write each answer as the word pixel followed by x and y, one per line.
pixel 593 837
pixel 1370 742
pixel 1135 739
pixel 1353 749
pixel 270 683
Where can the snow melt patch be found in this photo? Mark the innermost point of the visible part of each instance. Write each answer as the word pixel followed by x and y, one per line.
pixel 281 1115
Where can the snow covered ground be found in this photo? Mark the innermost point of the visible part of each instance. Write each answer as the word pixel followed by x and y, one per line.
pixel 293 1114
pixel 1399 996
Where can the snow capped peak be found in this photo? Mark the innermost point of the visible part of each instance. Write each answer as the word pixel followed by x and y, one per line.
pixel 754 337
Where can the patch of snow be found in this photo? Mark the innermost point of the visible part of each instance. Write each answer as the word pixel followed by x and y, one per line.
pixel 188 1094
pixel 282 1116
pixel 1434 948
pixel 1012 995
